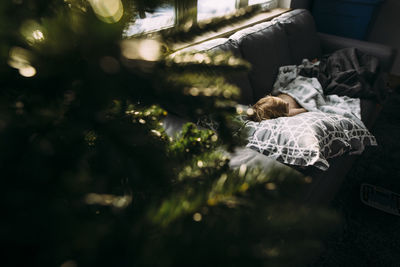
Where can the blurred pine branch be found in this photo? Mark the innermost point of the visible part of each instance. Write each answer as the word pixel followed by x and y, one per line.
pixel 89 176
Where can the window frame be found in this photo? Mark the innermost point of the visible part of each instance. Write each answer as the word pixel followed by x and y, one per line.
pixel 185 11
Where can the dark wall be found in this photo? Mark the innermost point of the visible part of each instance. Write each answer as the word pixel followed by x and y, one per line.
pixel 385 29
pixel 301 4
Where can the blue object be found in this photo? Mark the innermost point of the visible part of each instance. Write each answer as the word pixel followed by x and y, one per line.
pixel 348 18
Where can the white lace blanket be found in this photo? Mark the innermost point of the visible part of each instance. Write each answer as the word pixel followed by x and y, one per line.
pixel 309 138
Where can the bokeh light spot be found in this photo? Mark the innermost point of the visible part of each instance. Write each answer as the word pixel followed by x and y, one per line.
pixel 155 132
pixel 212 202
pixel 109 11
pixel 27 71
pixel 147 49
pixel 227 94
pixel 199 57
pixel 32 31
pixel 197 217
pixel 270 186
pixel 194 91
pixel 108 200
pixel 19 57
pixel 242 170
pixel 38 35
pixel 250 111
pixel 244 187
pixel 19 104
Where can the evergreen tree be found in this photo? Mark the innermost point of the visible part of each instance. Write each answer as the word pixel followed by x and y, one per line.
pixel 88 175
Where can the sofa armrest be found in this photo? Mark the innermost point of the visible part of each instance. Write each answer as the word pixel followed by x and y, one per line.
pixel 385 54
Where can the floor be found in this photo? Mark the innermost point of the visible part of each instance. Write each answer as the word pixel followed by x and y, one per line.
pixel 370 237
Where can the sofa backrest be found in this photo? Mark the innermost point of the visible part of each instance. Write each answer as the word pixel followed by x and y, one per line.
pixel 265 46
pixel 285 40
pixel 302 35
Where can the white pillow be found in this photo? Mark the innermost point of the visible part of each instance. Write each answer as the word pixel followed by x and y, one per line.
pixel 309 138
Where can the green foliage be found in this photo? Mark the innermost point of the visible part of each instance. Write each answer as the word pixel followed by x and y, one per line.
pixel 89 176
pixel 192 141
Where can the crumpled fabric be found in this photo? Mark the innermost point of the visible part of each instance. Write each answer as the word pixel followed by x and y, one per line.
pixel 349 72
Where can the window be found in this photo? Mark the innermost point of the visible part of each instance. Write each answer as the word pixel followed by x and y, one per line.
pixel 207 9
pixel 169 15
pixel 162 17
pixel 254 2
pixel 265 4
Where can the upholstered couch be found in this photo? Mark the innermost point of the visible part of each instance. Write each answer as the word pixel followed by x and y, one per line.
pixel 286 40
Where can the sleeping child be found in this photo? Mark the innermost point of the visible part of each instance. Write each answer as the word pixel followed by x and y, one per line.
pixel 299 125
pixel 271 107
pixel 294 94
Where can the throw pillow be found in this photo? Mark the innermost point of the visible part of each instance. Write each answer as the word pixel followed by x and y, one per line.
pixel 309 138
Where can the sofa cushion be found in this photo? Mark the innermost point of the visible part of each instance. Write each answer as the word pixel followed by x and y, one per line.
pixel 265 46
pixel 301 33
pixel 239 79
pixel 369 112
pixel 323 185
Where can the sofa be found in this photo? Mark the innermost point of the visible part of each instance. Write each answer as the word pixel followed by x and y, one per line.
pixel 287 40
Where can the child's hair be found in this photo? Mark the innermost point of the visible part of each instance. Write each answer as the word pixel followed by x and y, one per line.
pixel 269 107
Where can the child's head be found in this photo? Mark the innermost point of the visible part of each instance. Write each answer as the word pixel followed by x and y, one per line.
pixel 269 107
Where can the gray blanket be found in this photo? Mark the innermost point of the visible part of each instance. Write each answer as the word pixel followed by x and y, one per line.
pixel 309 94
pixel 349 72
